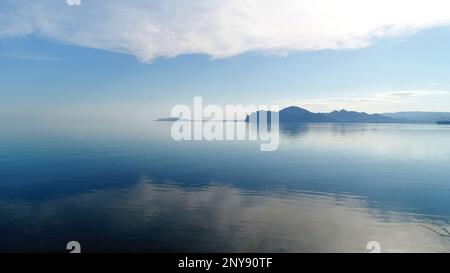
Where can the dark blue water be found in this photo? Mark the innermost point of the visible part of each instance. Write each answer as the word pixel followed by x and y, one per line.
pixel 128 187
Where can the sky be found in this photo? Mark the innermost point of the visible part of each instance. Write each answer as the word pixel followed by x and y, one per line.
pixel 139 58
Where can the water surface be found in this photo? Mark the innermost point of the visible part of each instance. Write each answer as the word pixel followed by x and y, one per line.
pixel 128 187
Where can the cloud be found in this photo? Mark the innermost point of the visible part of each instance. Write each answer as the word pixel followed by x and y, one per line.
pixel 27 56
pixel 373 103
pixel 415 93
pixel 150 29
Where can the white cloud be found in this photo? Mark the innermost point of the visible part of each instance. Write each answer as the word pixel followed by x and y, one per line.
pixel 27 56
pixel 413 93
pixel 166 28
pixel 378 102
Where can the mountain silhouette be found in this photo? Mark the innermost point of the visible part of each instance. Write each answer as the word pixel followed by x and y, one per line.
pixel 298 114
pixel 293 114
pixel 356 117
pixel 421 117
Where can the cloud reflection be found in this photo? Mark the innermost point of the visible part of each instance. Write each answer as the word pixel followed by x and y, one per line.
pixel 166 217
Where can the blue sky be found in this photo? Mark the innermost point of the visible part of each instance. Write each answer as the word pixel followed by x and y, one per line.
pixel 46 72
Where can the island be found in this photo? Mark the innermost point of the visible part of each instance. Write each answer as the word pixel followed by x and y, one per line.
pixel 444 122
pixel 297 114
pixel 167 119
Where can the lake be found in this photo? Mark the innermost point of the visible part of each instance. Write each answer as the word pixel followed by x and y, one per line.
pixel 129 187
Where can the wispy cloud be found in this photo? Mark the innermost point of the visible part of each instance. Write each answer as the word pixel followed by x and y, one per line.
pixel 374 103
pixel 166 28
pixel 28 56
pixel 414 93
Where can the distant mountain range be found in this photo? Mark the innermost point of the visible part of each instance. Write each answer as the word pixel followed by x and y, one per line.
pixel 424 117
pixel 298 114
pixel 359 117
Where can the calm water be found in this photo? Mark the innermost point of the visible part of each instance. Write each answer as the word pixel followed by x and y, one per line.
pixel 127 187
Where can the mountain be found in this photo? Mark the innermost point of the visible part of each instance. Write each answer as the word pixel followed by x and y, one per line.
pixel 357 117
pixel 297 114
pixel 300 115
pixel 427 117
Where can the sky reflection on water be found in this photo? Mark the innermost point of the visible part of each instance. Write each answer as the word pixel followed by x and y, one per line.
pixel 132 188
